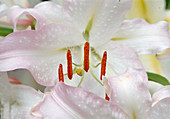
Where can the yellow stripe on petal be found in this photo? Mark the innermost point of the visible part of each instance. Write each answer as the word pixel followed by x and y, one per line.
pixel 151 64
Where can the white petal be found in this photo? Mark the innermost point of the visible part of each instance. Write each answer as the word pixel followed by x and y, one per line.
pixel 107 19
pixel 142 37
pixel 130 93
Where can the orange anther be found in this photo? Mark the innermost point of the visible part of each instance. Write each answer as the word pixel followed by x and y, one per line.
pixel 86 56
pixel 60 73
pixel 103 65
pixel 107 97
pixel 69 65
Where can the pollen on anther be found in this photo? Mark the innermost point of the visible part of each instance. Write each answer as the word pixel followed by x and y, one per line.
pixel 103 65
pixel 86 56
pixel 107 97
pixel 60 73
pixel 69 65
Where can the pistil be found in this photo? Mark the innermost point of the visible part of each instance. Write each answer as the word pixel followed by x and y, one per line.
pixel 69 65
pixel 103 65
pixel 86 56
pixel 60 73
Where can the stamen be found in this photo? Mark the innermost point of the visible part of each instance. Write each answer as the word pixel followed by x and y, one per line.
pixel 107 97
pixel 103 65
pixel 86 56
pixel 69 65
pixel 60 73
pixel 14 80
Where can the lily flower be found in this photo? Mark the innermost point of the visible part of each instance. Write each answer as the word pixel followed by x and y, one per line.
pixel 129 99
pixel 42 50
pixel 17 100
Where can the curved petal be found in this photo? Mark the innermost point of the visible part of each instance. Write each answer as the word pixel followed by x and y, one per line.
pixel 130 93
pixel 161 94
pixel 68 102
pixel 107 19
pixel 25 77
pixel 151 10
pixel 38 51
pixel 120 58
pixel 15 14
pixel 142 37
pixel 161 110
pixel 164 60
pixel 153 87
pixel 25 98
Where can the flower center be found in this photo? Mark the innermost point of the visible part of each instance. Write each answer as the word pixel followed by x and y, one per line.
pixel 86 67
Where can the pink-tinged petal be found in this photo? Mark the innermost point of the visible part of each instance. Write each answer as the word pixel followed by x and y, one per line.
pixel 164 92
pixel 16 14
pixel 39 51
pixel 130 93
pixel 119 58
pixel 109 15
pixel 69 102
pixel 142 37
pixel 161 110
pixel 25 98
pixel 4 95
pixel 53 13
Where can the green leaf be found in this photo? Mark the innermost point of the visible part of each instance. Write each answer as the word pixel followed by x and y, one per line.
pixel 5 31
pixel 157 78
pixel 167 4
